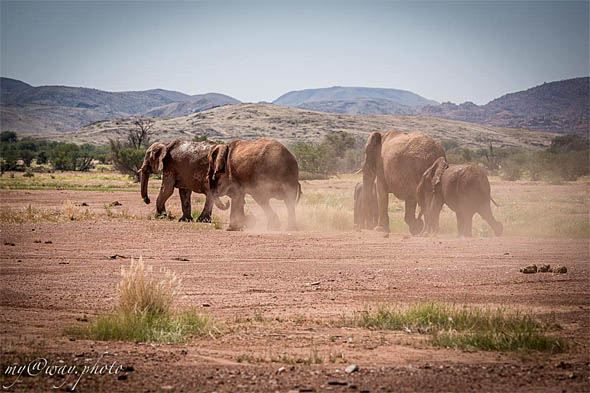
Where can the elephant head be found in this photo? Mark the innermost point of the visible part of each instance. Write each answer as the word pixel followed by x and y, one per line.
pixel 428 191
pixel 219 173
pixel 153 162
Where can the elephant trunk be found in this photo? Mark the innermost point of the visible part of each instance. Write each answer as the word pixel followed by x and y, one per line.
pixel 220 205
pixel 369 168
pixel 144 175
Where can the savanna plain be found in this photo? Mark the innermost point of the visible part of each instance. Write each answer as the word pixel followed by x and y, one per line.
pixel 292 311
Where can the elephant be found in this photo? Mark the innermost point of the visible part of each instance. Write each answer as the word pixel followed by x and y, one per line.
pixel 365 211
pixel 264 169
pixel 184 166
pixel 464 188
pixel 395 161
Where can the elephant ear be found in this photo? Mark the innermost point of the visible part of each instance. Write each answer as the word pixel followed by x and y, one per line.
pixel 439 167
pixel 157 152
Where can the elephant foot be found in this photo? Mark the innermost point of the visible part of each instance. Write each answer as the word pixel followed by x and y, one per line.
pixel 381 228
pixel 357 228
pixel 204 218
pixel 499 229
pixel 234 228
pixel 292 227
pixel 146 200
pixel 185 219
pixel 273 226
pixel 416 227
pixel 250 221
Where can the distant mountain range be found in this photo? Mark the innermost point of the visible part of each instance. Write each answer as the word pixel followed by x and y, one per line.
pixel 561 106
pixel 26 108
pixel 355 100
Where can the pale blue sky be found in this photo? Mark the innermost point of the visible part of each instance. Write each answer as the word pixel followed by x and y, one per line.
pixel 255 50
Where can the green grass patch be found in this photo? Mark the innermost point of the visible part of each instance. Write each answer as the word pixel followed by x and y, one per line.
pixel 144 311
pixel 463 327
pixel 148 327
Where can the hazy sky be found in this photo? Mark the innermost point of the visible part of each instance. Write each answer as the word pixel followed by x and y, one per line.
pixel 256 51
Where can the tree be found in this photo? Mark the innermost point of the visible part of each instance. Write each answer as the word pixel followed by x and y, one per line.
pixel 8 137
pixel 128 158
pixel 141 134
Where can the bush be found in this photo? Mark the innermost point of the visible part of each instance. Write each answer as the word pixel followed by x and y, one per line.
pixel 144 311
pixel 139 292
pixel 338 153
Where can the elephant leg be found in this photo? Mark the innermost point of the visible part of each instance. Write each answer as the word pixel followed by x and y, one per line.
pixel 382 205
pixel 236 215
pixel 185 201
pixel 205 215
pixel 273 222
pixel 486 213
pixel 468 231
pixel 291 203
pixel 460 223
pixel 415 225
pixel 166 191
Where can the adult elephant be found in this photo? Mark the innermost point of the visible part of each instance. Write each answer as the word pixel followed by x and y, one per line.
pixel 184 166
pixel 396 162
pixel 264 169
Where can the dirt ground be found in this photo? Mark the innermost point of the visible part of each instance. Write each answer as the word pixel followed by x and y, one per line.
pixel 277 293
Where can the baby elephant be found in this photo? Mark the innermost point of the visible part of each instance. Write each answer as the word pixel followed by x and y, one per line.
pixel 365 211
pixel 464 188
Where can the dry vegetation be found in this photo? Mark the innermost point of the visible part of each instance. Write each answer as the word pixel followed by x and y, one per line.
pixel 252 121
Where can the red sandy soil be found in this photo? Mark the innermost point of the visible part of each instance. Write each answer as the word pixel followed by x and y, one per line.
pixel 266 278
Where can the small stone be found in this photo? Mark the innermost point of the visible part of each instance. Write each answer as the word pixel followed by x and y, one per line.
pixel 9 244
pixel 181 259
pixel 122 377
pixel 545 268
pixel 116 203
pixel 205 305
pixel 48 242
pixel 127 368
pixel 351 369
pixel 84 204
pixel 337 383
pixel 531 269
pixel 560 270
pixel 280 370
pixel 36 241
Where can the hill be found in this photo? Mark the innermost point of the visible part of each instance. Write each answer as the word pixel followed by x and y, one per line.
pixel 354 100
pixel 252 121
pixel 561 106
pixel 29 109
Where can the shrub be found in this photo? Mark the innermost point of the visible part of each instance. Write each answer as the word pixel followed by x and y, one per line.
pixel 144 311
pixel 140 292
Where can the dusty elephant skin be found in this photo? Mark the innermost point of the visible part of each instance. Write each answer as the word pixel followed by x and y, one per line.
pixel 365 210
pixel 184 166
pixel 396 162
pixel 264 169
pixel 464 188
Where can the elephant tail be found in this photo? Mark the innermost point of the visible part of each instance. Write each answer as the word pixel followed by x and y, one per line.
pixel 220 205
pixel 495 203
pixel 299 192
